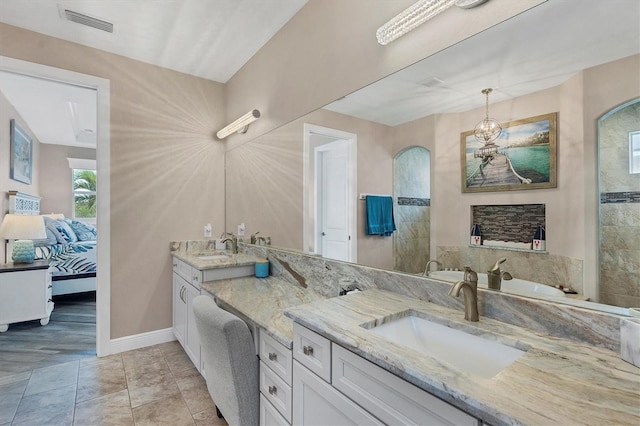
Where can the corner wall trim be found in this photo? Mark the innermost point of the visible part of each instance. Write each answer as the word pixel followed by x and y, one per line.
pixel 142 340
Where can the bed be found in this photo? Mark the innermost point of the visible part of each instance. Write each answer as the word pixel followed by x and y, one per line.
pixel 70 247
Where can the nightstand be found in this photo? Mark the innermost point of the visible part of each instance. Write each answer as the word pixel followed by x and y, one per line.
pixel 25 293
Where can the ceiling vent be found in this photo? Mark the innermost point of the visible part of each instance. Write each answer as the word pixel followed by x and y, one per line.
pixel 87 20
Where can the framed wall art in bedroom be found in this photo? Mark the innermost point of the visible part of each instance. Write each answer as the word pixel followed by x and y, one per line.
pixel 21 154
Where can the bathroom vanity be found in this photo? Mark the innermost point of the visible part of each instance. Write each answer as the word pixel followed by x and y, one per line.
pixel 191 267
pixel 320 359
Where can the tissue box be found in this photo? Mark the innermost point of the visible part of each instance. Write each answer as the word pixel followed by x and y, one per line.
pixel 630 341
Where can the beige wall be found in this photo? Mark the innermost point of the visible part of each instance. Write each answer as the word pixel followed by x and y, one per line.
pixel 329 49
pixel 7 112
pixel 167 171
pixel 57 178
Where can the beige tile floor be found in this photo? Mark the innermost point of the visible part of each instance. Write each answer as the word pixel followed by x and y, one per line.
pixel 157 385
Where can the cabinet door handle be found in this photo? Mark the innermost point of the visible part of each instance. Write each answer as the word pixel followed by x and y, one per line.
pixel 175 265
pixel 307 350
pixel 273 356
pixel 182 294
pixel 50 286
pixel 195 278
pixel 273 390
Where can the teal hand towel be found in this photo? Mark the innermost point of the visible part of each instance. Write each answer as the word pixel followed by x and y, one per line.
pixel 379 215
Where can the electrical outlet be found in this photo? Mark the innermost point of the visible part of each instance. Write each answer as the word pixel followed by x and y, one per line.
pixel 241 230
pixel 207 230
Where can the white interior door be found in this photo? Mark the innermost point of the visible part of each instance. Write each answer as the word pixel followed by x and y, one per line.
pixel 333 194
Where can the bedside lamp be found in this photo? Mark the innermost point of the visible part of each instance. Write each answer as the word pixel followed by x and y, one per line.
pixel 24 229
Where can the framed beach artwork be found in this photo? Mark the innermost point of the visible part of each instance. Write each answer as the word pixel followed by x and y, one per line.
pixel 21 154
pixel 522 157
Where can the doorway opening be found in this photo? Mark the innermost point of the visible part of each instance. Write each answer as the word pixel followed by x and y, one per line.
pixel 330 193
pixel 102 89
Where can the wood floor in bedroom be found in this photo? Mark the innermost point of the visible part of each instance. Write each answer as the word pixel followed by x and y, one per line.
pixel 50 376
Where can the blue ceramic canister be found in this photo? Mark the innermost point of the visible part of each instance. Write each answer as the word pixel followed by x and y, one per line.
pixel 262 268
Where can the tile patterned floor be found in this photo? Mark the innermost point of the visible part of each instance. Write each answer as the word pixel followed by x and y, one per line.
pixel 157 385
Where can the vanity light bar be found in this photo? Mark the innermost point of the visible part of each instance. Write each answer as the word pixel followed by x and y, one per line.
pixel 412 17
pixel 240 125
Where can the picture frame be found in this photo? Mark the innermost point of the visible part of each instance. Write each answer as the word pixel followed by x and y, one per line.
pixel 21 143
pixel 523 157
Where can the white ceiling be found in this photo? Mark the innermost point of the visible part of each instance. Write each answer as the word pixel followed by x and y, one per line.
pixel 535 50
pixel 207 38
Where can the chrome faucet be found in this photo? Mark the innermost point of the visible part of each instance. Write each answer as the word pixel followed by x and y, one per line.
pixel 263 239
pixel 426 268
pixel 495 276
pixel 469 287
pixel 253 237
pixel 234 242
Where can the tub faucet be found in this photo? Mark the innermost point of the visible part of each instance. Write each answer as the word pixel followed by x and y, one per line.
pixel 234 242
pixel 469 287
pixel 495 276
pixel 426 268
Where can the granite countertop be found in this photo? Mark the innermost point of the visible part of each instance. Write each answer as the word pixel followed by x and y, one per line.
pixel 263 302
pixel 557 381
pixel 232 259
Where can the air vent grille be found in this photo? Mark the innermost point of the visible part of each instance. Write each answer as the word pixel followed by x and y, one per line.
pixel 89 21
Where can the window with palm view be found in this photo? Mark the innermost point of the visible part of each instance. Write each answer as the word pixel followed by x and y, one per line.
pixel 84 194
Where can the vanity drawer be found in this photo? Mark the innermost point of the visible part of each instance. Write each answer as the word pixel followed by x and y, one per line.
pixel 190 274
pixel 388 397
pixel 276 391
pixel 269 416
pixel 276 356
pixel 313 351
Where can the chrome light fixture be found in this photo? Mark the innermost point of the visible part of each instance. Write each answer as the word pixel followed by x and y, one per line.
pixel 410 18
pixel 488 129
pixel 241 125
pixel 416 15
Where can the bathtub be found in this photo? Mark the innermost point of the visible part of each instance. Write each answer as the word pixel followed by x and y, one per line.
pixel 514 286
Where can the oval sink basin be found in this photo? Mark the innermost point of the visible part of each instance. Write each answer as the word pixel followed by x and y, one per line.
pixel 212 256
pixel 464 351
pixel 513 286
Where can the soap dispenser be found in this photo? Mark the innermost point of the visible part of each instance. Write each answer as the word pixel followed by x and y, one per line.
pixel 539 243
pixel 476 238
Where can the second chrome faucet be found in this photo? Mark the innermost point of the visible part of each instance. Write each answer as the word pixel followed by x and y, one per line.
pixel 469 287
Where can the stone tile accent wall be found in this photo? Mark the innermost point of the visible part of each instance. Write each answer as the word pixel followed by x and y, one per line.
pixel 619 210
pixel 412 212
pixel 516 223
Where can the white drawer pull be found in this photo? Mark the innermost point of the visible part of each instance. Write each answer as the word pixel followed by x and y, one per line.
pixel 307 350
pixel 273 390
pixel 273 356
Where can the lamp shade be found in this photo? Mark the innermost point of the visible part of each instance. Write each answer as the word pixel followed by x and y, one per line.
pixel 22 227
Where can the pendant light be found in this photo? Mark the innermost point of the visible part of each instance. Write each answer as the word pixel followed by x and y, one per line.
pixel 488 129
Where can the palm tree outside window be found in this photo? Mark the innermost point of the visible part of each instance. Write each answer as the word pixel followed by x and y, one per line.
pixel 84 194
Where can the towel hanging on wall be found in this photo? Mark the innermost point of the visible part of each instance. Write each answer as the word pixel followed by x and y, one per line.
pixel 379 215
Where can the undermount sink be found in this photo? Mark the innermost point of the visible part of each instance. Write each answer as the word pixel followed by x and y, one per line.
pixel 212 256
pixel 464 351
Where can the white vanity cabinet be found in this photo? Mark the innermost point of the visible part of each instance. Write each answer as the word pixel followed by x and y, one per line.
pixel 275 381
pixel 332 385
pixel 186 286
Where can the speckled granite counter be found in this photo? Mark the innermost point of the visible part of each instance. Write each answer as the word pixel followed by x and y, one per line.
pixel 263 302
pixel 557 381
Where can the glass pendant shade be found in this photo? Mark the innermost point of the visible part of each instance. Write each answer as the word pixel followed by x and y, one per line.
pixel 488 129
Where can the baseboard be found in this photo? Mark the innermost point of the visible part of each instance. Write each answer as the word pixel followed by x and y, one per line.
pixel 142 340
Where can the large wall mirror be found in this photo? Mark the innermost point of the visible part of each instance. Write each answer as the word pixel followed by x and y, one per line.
pixel 561 56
